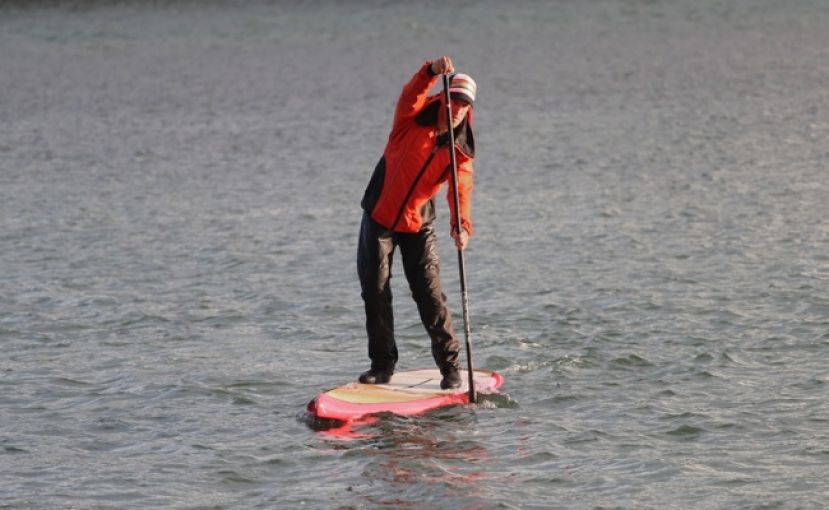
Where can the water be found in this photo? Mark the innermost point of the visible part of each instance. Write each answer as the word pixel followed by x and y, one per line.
pixel 179 189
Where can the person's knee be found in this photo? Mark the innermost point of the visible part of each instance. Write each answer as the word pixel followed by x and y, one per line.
pixel 429 289
pixel 377 297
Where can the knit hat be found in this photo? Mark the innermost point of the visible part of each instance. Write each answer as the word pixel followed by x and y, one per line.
pixel 462 86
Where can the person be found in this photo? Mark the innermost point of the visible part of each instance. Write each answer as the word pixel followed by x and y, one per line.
pixel 399 211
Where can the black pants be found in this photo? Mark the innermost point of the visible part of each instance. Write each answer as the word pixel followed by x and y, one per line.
pixel 422 268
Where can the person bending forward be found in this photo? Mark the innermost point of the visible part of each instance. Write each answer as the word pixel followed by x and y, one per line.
pixel 399 211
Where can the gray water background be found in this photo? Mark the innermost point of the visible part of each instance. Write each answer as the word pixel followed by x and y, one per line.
pixel 179 189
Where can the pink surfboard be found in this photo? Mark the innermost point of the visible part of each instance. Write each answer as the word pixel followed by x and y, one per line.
pixel 408 393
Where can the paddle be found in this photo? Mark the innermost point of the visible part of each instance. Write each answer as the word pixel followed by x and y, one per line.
pixel 457 213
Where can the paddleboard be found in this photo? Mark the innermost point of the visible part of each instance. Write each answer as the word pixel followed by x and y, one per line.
pixel 407 393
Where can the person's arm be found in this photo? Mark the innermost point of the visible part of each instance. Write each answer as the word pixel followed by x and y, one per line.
pixel 465 186
pixel 416 91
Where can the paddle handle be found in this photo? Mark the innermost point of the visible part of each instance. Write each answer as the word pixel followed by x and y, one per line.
pixel 457 213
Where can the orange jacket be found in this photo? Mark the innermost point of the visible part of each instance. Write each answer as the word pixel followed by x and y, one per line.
pixel 413 169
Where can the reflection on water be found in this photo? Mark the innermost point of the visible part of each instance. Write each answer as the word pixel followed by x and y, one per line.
pixel 434 458
pixel 427 461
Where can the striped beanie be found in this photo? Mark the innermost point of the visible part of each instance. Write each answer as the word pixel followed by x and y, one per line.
pixel 462 86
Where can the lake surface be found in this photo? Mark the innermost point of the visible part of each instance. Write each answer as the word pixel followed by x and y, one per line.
pixel 179 206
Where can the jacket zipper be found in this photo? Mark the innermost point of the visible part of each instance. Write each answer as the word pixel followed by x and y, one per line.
pixel 411 189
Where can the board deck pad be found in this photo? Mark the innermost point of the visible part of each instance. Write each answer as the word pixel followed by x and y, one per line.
pixel 407 393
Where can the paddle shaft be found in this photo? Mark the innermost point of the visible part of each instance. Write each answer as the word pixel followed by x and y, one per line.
pixel 457 213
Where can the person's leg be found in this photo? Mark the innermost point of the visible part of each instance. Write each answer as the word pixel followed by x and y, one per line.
pixel 374 259
pixel 422 267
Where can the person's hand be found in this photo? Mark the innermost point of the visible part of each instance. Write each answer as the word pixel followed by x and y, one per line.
pixel 443 65
pixel 461 242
